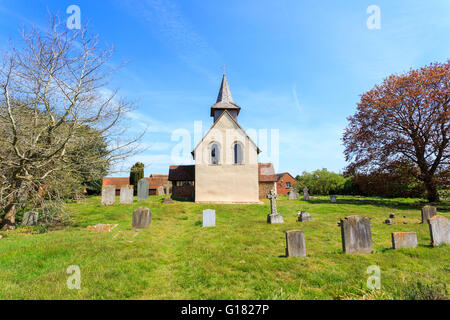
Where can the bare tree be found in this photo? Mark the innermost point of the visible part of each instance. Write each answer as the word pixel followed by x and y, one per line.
pixel 54 103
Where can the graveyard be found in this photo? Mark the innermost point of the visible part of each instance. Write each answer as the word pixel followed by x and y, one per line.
pixel 237 255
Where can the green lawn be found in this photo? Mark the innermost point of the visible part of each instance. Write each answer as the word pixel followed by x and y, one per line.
pixel 242 258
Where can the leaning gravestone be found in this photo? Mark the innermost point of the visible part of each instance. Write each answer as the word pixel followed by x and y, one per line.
pixel 427 213
pixel 295 244
pixel 142 190
pixel 160 191
pixel 306 194
pixel 142 218
pixel 30 218
pixel 209 218
pixel 273 217
pixel 356 235
pixel 404 240
pixel 333 199
pixel 108 195
pixel 293 194
pixel 304 216
pixel 126 195
pixel 439 230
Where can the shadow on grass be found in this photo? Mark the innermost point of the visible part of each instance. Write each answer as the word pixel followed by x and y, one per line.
pixel 383 203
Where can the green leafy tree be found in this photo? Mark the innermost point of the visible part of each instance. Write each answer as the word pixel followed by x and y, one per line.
pixel 322 182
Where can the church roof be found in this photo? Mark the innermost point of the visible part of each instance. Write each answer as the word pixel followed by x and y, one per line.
pixel 225 99
pixel 182 173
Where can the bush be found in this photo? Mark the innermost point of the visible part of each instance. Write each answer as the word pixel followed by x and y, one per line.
pixel 323 182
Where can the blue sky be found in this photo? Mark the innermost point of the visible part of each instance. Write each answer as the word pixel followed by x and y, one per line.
pixel 296 66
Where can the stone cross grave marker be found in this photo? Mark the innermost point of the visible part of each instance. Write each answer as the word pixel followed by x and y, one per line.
pixel 273 217
pixel 439 230
pixel 108 195
pixel 428 212
pixel 333 199
pixel 304 216
pixel 356 235
pixel 126 195
pixel 209 218
pixel 167 197
pixel 295 244
pixel 404 240
pixel 142 190
pixel 30 218
pixel 142 218
pixel 293 194
pixel 306 194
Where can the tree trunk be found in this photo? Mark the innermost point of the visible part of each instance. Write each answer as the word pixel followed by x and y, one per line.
pixel 9 219
pixel 432 193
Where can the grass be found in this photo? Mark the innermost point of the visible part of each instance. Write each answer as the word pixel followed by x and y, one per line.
pixel 241 258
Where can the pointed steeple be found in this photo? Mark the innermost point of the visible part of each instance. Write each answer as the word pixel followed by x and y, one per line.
pixel 224 92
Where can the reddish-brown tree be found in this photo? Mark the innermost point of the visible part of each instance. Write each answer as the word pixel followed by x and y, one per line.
pixel 405 120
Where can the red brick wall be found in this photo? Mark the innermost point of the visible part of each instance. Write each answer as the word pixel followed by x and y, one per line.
pixel 281 184
pixel 185 192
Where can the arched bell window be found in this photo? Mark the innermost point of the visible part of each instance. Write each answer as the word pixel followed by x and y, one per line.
pixel 215 154
pixel 238 157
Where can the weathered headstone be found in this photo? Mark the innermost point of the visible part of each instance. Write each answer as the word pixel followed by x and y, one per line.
pixel 293 194
pixel 304 216
pixel 126 195
pixel 356 235
pixel 273 217
pixel 295 244
pixel 388 221
pixel 108 195
pixel 160 191
pixel 333 199
pixel 30 218
pixel 209 218
pixel 427 213
pixel 404 240
pixel 392 215
pixel 306 194
pixel 142 218
pixel 142 190
pixel 439 230
pixel 167 198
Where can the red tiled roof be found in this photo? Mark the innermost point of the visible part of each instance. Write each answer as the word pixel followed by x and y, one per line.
pixel 266 172
pixel 280 175
pixel 118 182
pixel 182 173
pixel 157 180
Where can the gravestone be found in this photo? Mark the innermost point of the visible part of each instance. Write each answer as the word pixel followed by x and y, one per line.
pixel 30 218
pixel 293 194
pixel 295 244
pixel 273 217
pixel 306 194
pixel 404 240
pixel 356 235
pixel 108 195
pixel 160 191
pixel 333 199
pixel 388 221
pixel 142 190
pixel 439 230
pixel 142 218
pixel 427 213
pixel 209 218
pixel 126 195
pixel 167 198
pixel 392 215
pixel 304 216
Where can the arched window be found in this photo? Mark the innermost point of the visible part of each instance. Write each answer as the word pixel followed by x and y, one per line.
pixel 238 158
pixel 215 153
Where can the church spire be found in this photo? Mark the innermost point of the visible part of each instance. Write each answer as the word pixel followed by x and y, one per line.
pixel 224 92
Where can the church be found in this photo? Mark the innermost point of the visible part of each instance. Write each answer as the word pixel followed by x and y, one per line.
pixel 226 166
